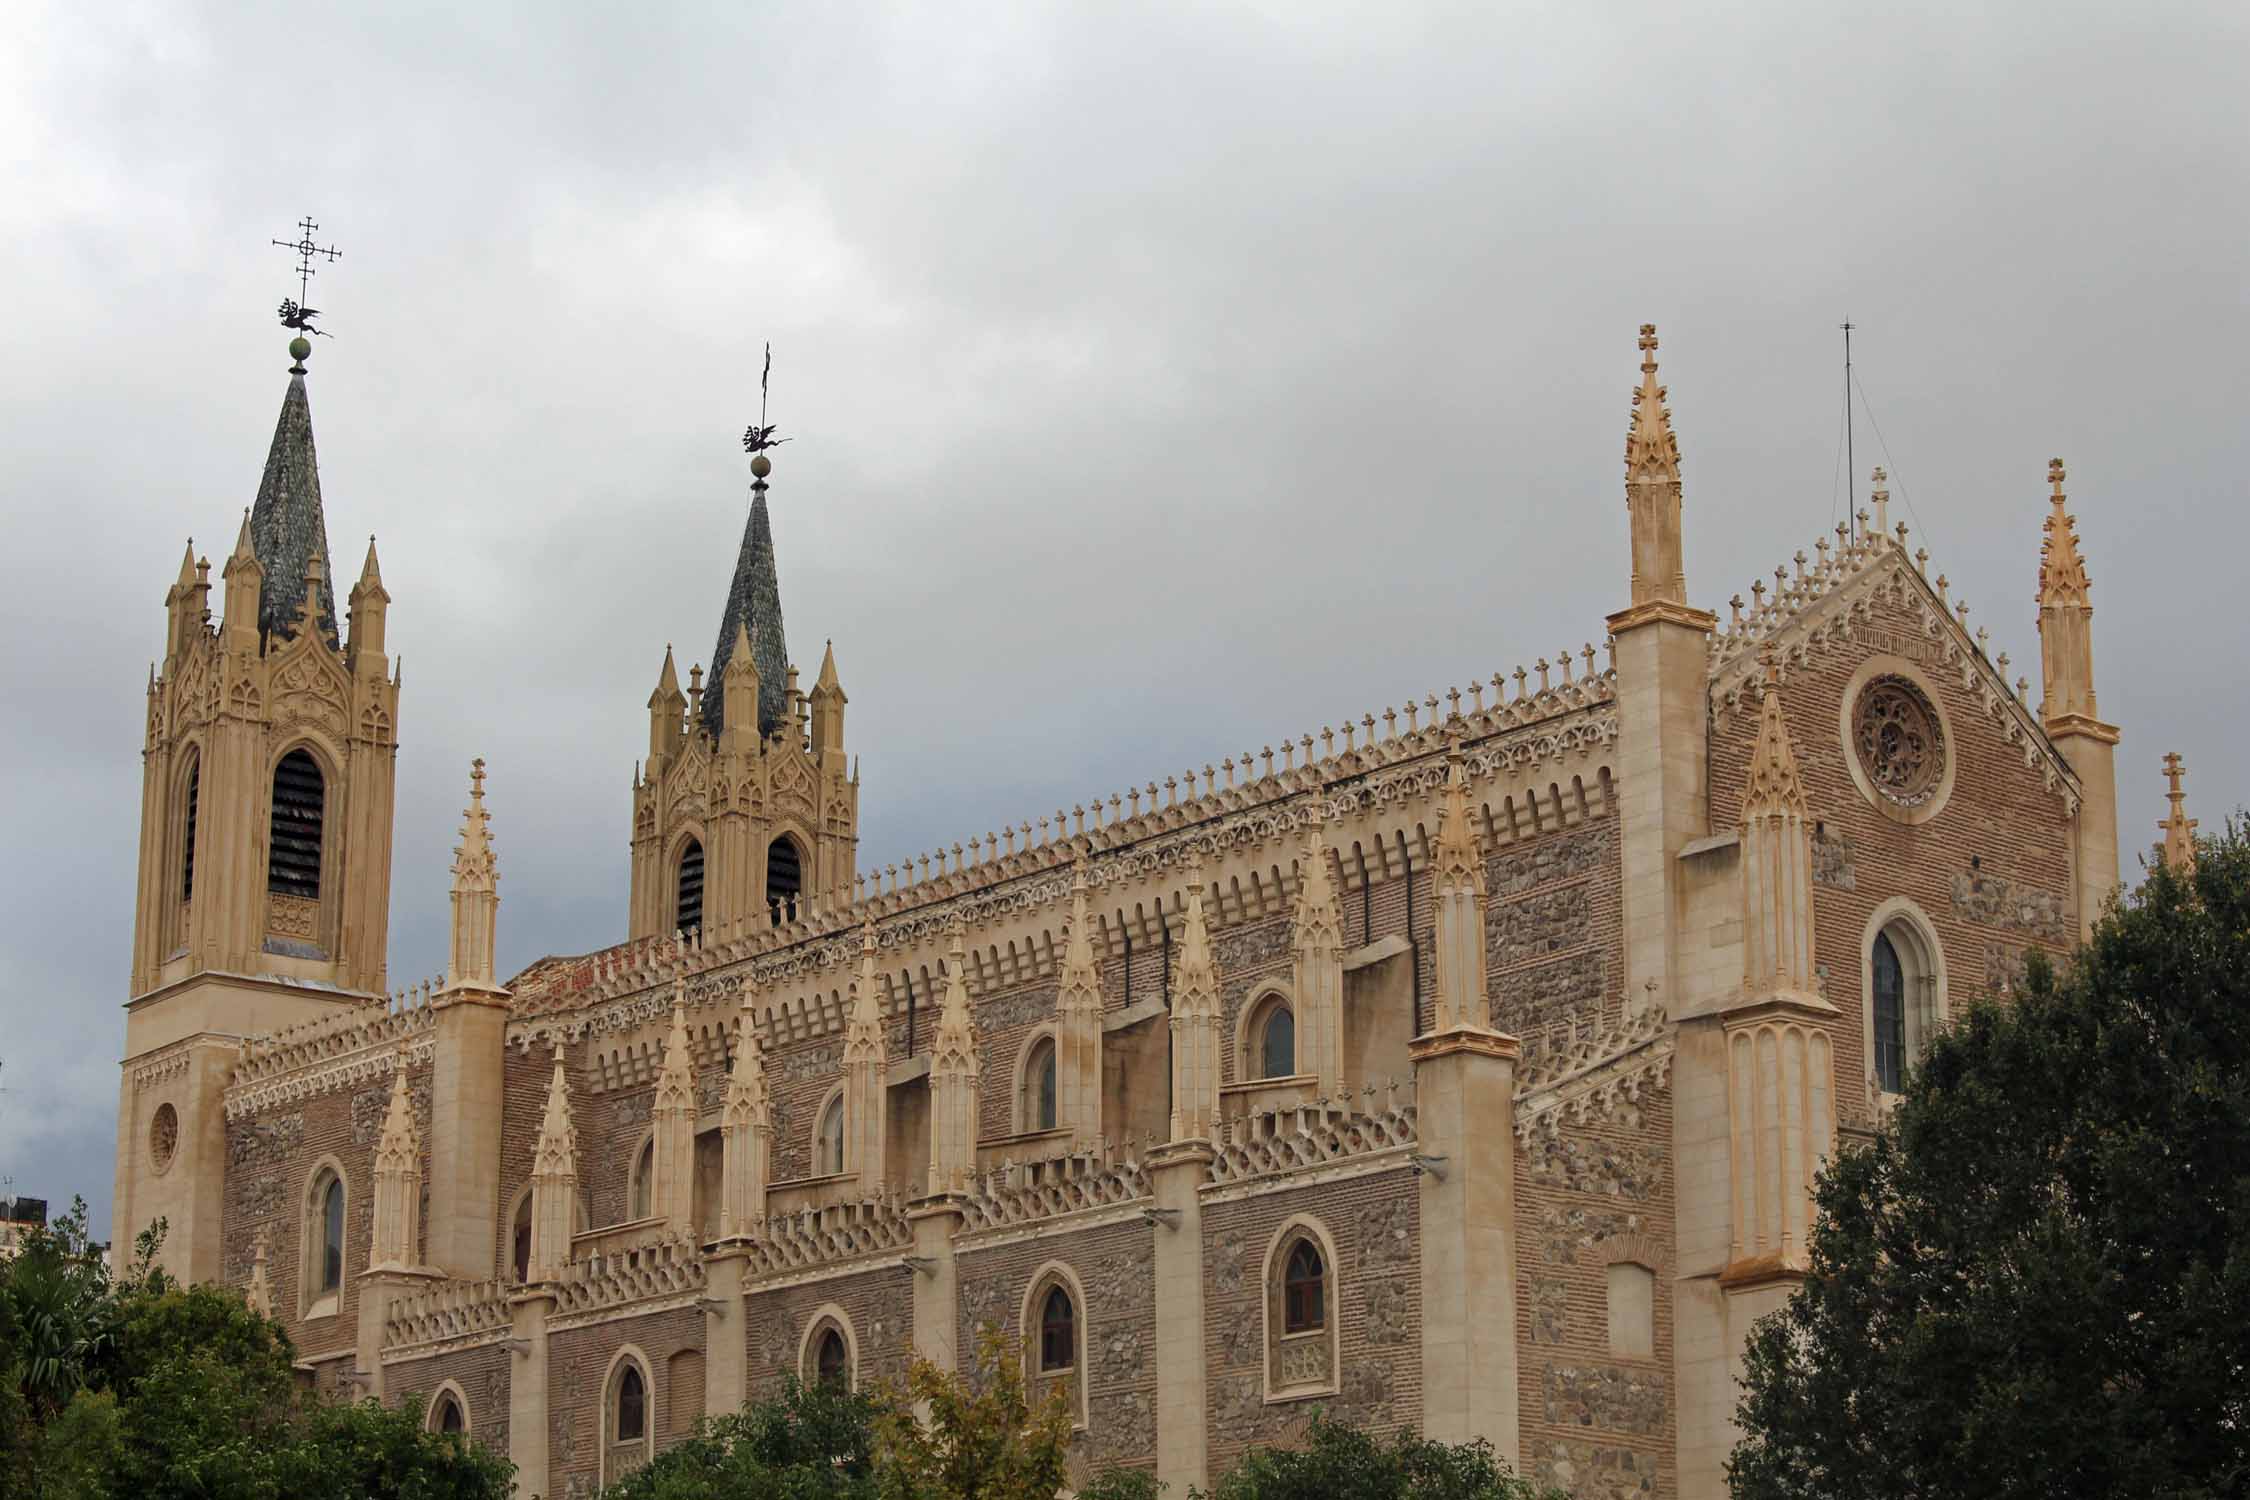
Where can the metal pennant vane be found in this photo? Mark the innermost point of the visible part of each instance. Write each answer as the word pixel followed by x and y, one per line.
pixel 294 314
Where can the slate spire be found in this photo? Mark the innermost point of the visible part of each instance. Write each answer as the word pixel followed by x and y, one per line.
pixel 753 605
pixel 287 526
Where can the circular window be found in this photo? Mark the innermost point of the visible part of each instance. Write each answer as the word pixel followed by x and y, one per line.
pixel 163 1136
pixel 1900 746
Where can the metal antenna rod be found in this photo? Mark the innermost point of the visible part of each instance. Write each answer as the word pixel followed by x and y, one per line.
pixel 1851 464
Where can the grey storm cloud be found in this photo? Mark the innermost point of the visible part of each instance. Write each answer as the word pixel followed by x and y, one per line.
pixel 1163 380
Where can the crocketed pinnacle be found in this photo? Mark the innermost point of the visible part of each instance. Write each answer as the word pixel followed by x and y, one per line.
pixel 1081 986
pixel 2177 827
pixel 747 1093
pixel 1775 786
pixel 1652 453
pixel 399 1147
pixel 2062 572
pixel 287 523
pixel 556 1154
pixel 1460 862
pixel 753 605
pixel 675 1081
pixel 1196 985
pixel 475 867
pixel 956 1048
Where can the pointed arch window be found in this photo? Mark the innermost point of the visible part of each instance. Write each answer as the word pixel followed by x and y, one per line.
pixel 321 1266
pixel 832 1363
pixel 625 1418
pixel 785 878
pixel 519 1239
pixel 1277 1041
pixel 1039 1086
pixel 300 799
pixel 639 1203
pixel 446 1414
pixel 187 826
pixel 688 888
pixel 1889 986
pixel 828 1141
pixel 1058 1333
pixel 1304 1290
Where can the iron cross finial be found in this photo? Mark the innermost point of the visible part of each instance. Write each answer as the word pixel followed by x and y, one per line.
pixel 759 436
pixel 294 313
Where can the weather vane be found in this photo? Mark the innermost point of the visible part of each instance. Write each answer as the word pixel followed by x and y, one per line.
pixel 759 437
pixel 294 313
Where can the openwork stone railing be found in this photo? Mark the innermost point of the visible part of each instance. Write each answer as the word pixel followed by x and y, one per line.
pixel 338 1051
pixel 1594 1076
pixel 662 1269
pixel 821 1236
pixel 1310 1135
pixel 450 1312
pixel 1024 1192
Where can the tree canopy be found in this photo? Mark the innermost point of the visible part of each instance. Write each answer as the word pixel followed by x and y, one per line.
pixel 140 1387
pixel 2036 1280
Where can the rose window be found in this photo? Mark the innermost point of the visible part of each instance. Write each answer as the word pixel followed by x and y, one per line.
pixel 163 1136
pixel 1900 747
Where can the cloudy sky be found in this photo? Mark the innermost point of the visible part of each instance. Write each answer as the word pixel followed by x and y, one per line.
pixel 1163 380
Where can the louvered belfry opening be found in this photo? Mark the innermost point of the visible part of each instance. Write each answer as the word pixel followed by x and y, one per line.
pixel 187 832
pixel 785 878
pixel 299 800
pixel 690 905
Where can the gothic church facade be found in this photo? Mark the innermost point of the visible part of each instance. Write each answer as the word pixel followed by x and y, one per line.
pixel 1465 1067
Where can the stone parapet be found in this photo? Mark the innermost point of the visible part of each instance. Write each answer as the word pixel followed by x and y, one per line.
pixel 451 1314
pixel 1323 1131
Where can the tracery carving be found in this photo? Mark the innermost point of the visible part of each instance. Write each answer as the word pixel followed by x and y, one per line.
pixel 1895 734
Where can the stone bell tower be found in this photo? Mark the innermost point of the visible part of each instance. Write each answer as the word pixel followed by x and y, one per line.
pixel 265 854
pixel 747 808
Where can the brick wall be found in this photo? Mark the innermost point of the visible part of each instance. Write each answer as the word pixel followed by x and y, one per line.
pixel 578 1362
pixel 1115 1265
pixel 877 1302
pixel 2000 816
pixel 482 1374
pixel 1375 1297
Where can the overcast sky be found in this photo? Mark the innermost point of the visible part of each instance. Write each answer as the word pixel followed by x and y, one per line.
pixel 1162 380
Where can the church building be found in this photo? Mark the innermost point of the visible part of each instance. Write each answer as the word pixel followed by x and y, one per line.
pixel 1465 1066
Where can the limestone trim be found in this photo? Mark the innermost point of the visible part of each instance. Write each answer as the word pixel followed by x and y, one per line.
pixel 1053 1274
pixel 821 1239
pixel 1323 1131
pixel 1045 1192
pixel 1300 1374
pixel 162 1066
pixel 828 1315
pixel 445 1388
pixel 1591 1079
pixel 649 1277
pixel 616 1461
pixel 1374 1164
pixel 1928 1000
pixel 447 1316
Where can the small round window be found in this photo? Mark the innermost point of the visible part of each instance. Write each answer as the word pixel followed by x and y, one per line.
pixel 1896 737
pixel 163 1136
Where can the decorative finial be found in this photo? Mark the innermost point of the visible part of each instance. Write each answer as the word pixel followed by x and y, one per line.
pixel 1648 348
pixel 294 313
pixel 759 436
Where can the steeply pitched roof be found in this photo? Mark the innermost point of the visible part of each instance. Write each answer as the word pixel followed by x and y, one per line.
pixel 287 525
pixel 753 602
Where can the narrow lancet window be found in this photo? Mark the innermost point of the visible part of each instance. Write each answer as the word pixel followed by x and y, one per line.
pixel 785 879
pixel 1890 1015
pixel 187 830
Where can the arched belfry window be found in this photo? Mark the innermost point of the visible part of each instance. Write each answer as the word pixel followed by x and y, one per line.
pixel 688 905
pixel 187 826
pixel 300 797
pixel 785 878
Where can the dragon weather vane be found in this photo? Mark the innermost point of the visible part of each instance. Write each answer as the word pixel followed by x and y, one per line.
pixel 294 313
pixel 759 437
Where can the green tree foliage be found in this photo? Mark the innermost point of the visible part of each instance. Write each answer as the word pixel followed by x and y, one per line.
pixel 2036 1281
pixel 983 1439
pixel 809 1442
pixel 1337 1460
pixel 140 1387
